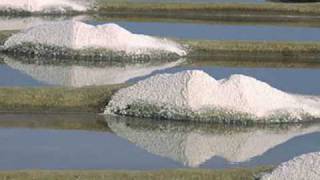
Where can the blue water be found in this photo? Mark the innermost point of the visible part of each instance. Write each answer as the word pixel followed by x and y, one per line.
pixel 12 77
pixel 218 31
pixel 293 80
pixel 130 146
pixel 25 148
pixel 54 149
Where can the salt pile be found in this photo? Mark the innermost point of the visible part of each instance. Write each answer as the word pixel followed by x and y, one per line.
pixel 79 76
pixel 76 35
pixel 194 144
pixel 43 5
pixel 20 23
pixel 194 95
pixel 302 167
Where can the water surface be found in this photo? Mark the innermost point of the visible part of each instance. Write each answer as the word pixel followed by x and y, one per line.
pixel 222 31
pixel 188 30
pixel 15 72
pixel 144 144
pixel 90 141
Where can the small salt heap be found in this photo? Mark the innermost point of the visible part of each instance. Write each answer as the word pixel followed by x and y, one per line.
pixel 45 6
pixel 77 35
pixel 194 95
pixel 302 167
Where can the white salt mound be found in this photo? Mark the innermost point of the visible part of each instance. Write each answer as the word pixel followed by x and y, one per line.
pixel 43 5
pixel 305 167
pixel 78 35
pixel 20 23
pixel 195 92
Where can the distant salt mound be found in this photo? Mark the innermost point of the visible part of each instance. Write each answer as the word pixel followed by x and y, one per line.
pixel 302 167
pixel 43 6
pixel 78 36
pixel 194 95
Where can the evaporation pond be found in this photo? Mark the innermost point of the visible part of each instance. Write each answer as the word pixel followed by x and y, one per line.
pixel 81 141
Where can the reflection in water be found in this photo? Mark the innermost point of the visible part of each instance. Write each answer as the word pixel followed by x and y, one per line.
pixel 79 76
pixel 84 141
pixel 194 144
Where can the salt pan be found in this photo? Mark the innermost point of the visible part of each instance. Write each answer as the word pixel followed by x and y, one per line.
pixel 78 36
pixel 300 168
pixel 43 5
pixel 194 95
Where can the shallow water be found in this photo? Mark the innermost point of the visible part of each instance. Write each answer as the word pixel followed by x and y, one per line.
pixel 26 142
pixel 222 31
pixel 189 30
pixel 15 72
pixel 90 141
pixel 11 77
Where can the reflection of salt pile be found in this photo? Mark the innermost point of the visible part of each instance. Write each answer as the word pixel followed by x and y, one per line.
pixel 302 167
pixel 193 144
pixel 79 36
pixel 78 76
pixel 195 95
pixel 42 5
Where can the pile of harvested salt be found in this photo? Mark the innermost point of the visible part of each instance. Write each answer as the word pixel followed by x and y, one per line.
pixel 20 23
pixel 194 95
pixel 42 5
pixel 302 167
pixel 77 35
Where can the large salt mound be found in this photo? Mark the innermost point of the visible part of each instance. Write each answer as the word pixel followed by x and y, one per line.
pixel 76 35
pixel 194 95
pixel 42 5
pixel 194 144
pixel 78 76
pixel 305 167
